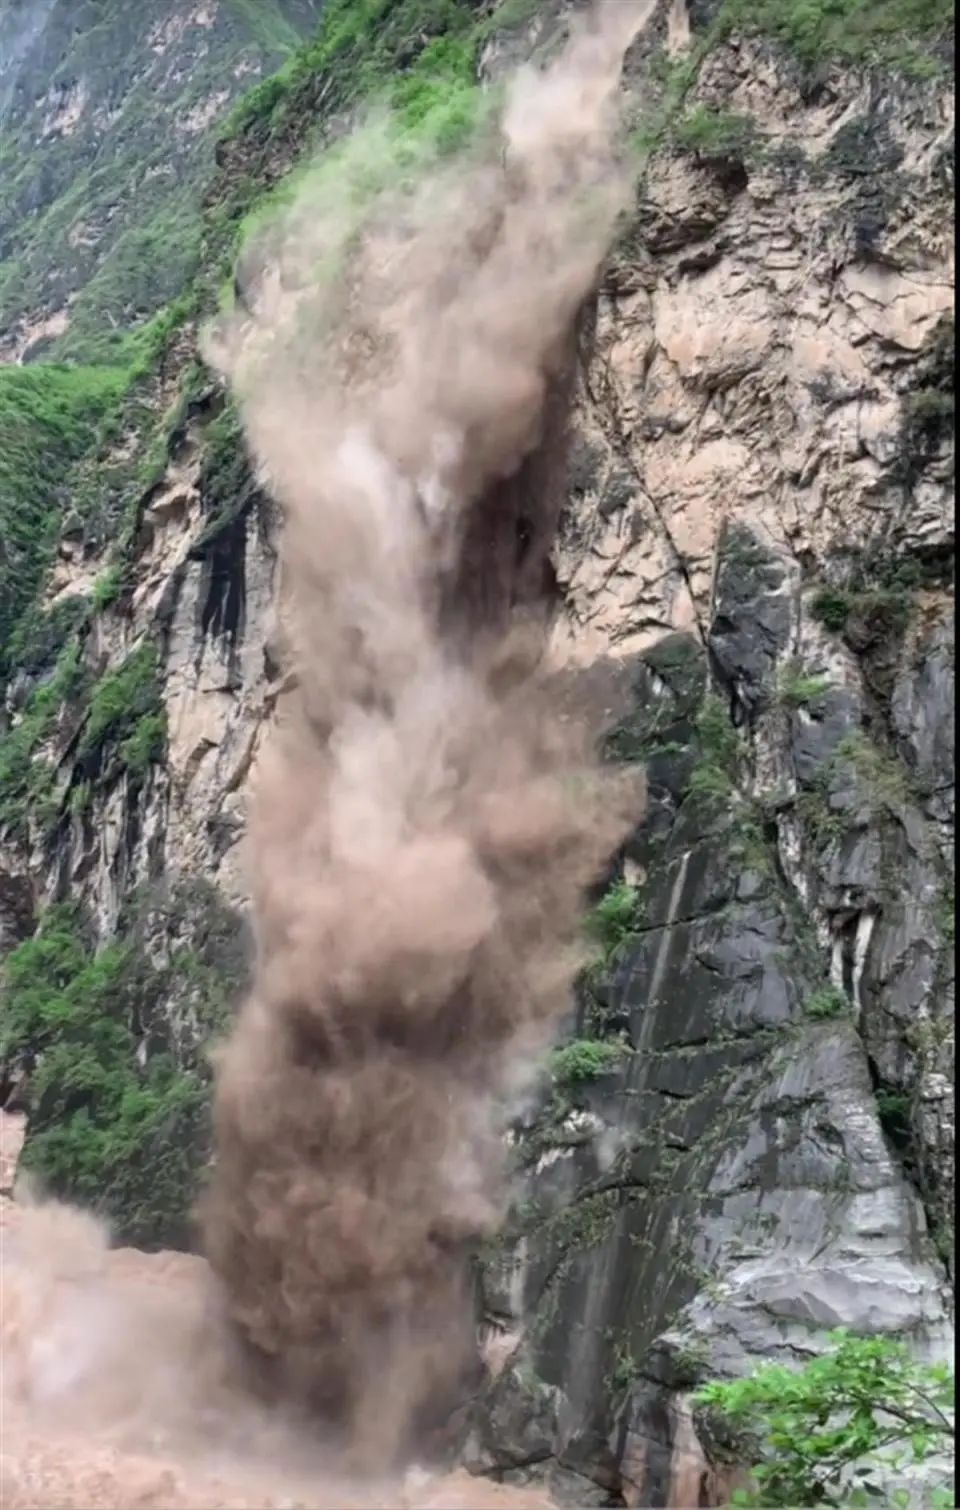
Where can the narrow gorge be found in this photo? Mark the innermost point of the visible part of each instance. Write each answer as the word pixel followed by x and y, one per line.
pixel 703 475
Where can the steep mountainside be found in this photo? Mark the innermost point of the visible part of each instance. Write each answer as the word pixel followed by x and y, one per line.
pixel 108 115
pixel 748 1139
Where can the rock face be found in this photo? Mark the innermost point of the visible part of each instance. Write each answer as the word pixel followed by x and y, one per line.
pixel 757 532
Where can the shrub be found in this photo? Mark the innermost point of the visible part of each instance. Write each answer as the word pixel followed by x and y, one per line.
pixel 126 719
pixel 41 634
pixel 712 779
pixel 583 1060
pixel 409 49
pixel 714 133
pixel 106 589
pixel 611 922
pixel 893 1110
pixel 820 1435
pixel 827 1003
pixel 832 607
pixel 798 690
pixel 874 613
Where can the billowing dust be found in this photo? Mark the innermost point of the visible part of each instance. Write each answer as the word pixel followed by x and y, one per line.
pixel 118 1392
pixel 426 821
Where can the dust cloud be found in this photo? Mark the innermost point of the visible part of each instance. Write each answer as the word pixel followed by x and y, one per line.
pixel 428 813
pixel 426 822
pixel 118 1388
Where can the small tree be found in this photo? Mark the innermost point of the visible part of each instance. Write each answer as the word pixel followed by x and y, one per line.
pixel 826 1434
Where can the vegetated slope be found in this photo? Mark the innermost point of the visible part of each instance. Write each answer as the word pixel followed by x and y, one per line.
pixel 107 120
pixel 749 1137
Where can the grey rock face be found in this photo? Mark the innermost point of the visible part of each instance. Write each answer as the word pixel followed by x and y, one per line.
pixel 732 1188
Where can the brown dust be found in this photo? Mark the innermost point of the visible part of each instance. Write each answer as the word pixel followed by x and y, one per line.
pixel 427 815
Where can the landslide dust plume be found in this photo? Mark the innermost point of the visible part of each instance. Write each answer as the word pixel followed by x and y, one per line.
pixel 425 822
pixel 118 1388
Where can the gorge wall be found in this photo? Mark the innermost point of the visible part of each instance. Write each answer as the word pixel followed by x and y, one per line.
pixel 747 1138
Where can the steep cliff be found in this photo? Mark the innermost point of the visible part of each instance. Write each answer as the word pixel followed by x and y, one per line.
pixel 748 1138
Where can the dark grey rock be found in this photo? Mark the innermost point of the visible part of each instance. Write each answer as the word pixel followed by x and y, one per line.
pixel 751 617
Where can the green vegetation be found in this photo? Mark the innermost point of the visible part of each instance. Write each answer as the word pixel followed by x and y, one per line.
pixel 928 412
pixel 624 1372
pixel 102 1131
pixel 226 477
pixel 797 689
pixel 124 730
pixel 713 777
pixel 714 133
pixel 883 777
pixel 832 607
pixel 824 1434
pixel 613 920
pixel 49 416
pixel 106 589
pixel 125 722
pixel 56 422
pixel 112 214
pixel 827 1003
pixel 364 48
pixel 266 22
pixel 41 633
pixel 893 1110
pixel 902 35
pixel 870 612
pixel 124 1133
pixel 673 78
pixel 929 408
pixel 585 1059
pixel 896 33
pixel 947 914
pixel 26 779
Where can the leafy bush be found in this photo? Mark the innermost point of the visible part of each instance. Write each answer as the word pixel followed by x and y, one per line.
pixel 871 612
pixel 611 922
pixel 832 607
pixel 106 589
pixel 893 1110
pixel 827 1003
pixel 714 133
pixel 126 717
pixel 821 1435
pixel 408 49
pixel 55 419
pixel 584 1059
pixel 713 777
pixel 42 633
